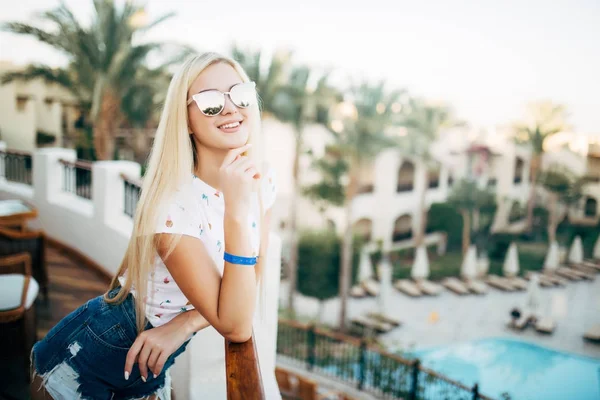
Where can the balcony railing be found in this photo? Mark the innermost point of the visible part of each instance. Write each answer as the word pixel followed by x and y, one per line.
pixel 16 166
pixel 131 194
pixel 356 363
pixel 77 178
pixel 243 371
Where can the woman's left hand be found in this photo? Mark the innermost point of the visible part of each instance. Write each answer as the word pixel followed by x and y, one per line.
pixel 153 347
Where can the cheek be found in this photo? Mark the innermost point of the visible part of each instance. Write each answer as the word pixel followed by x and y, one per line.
pixel 199 124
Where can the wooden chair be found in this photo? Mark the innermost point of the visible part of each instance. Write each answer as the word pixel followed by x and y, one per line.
pixel 18 290
pixel 33 243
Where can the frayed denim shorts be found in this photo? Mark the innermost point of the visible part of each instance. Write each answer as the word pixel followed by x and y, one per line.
pixel 83 356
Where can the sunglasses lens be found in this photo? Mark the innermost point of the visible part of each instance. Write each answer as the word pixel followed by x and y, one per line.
pixel 244 94
pixel 210 102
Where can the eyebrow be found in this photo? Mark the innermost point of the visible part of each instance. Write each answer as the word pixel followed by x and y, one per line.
pixel 206 90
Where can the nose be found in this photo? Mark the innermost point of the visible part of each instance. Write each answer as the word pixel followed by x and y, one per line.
pixel 229 107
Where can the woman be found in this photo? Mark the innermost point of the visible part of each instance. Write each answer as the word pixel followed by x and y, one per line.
pixel 192 260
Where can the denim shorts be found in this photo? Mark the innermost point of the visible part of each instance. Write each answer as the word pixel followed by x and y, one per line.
pixel 83 356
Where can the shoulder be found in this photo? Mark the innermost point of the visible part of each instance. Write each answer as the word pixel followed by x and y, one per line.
pixel 180 213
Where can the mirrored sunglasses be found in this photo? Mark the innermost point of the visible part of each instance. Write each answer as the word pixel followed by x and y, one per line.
pixel 211 102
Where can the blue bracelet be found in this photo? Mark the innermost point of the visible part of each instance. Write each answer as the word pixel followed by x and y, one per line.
pixel 230 258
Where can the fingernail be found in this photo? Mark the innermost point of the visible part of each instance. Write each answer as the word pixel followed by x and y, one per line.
pixel 126 375
pixel 155 376
pixel 143 378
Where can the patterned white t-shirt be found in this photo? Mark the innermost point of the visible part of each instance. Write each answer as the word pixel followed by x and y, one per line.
pixel 198 211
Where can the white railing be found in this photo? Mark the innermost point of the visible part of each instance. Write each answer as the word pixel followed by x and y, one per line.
pixel 100 229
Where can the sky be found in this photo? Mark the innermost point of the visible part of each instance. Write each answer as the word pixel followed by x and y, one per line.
pixel 487 59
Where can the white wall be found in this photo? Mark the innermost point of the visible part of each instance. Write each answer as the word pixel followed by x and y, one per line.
pixel 99 229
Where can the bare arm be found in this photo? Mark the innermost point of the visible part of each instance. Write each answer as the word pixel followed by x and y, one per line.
pixel 227 303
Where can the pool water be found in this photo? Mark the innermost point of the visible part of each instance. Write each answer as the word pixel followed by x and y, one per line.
pixel 523 370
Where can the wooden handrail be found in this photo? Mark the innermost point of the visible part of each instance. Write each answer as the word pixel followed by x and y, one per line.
pixel 81 164
pixel 244 380
pixel 16 152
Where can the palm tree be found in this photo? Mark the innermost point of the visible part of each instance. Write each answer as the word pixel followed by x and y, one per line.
pixel 363 128
pixel 543 120
pixel 105 66
pixel 269 82
pixel 296 103
pixel 469 198
pixel 424 123
pixel 562 187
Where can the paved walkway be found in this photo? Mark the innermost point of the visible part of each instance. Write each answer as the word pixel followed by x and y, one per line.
pixel 575 308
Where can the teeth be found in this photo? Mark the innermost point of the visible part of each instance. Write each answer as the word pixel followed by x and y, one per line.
pixel 232 125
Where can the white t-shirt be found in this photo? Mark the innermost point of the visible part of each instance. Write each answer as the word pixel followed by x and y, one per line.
pixel 197 211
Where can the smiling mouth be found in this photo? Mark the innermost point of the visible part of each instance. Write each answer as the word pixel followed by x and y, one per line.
pixel 232 125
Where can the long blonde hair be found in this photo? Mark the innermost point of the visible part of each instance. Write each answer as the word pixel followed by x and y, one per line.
pixel 171 165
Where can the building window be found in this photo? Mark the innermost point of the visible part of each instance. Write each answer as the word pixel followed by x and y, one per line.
pixel 21 103
pixel 402 228
pixel 492 182
pixel 519 168
pixel 433 176
pixel 362 228
pixel 406 176
pixel 591 207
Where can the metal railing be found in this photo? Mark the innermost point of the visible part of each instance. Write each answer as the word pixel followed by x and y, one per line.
pixel 131 194
pixel 370 369
pixel 77 178
pixel 16 166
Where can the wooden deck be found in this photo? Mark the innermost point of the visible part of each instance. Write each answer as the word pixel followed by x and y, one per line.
pixel 71 283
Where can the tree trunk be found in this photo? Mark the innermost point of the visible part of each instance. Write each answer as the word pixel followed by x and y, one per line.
pixel 466 231
pixel 346 259
pixel 535 163
pixel 552 225
pixel 293 261
pixel 420 236
pixel 105 124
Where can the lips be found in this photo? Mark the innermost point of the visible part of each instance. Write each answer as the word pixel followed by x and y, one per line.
pixel 230 125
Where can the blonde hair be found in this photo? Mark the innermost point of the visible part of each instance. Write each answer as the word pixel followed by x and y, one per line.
pixel 170 166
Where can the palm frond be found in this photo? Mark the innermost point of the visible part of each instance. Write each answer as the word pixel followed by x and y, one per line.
pixel 49 75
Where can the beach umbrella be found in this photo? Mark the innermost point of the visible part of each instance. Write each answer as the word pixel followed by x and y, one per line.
pixel 385 286
pixel 576 252
pixel 533 300
pixel 468 268
pixel 365 267
pixel 596 254
pixel 420 269
pixel 511 262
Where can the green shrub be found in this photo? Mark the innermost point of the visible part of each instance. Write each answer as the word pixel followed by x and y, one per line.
pixel 446 218
pixel 319 264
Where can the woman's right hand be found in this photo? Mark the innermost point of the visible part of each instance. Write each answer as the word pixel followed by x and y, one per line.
pixel 238 174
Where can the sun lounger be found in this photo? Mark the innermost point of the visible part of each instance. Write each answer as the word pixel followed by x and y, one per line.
pixel 568 273
pixel 499 283
pixel 592 264
pixel 545 325
pixel 368 323
pixel 358 291
pixel 384 318
pixel 522 322
pixel 408 287
pixel 548 279
pixel 455 285
pixel 371 286
pixel 593 334
pixel 517 282
pixel 581 274
pixel 585 269
pixel 475 286
pixel 428 287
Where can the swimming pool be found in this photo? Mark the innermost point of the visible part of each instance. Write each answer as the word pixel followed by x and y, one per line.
pixel 523 370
